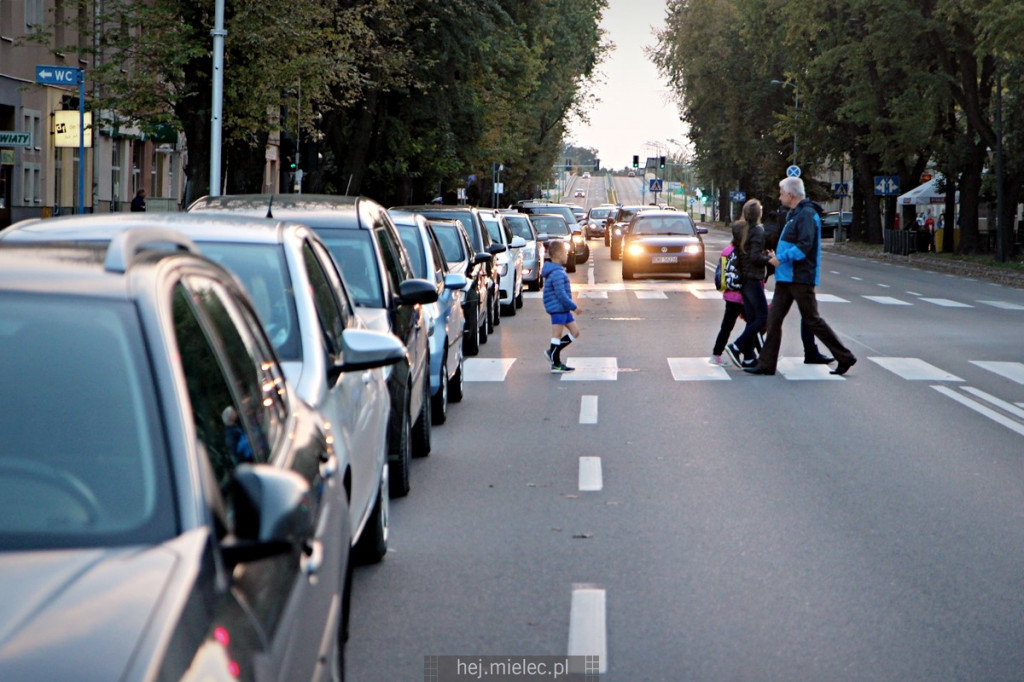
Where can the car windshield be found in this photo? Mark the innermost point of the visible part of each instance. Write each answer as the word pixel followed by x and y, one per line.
pixel 555 209
pixel 263 271
pixel 599 213
pixel 353 251
pixel 626 214
pixel 674 225
pixel 551 224
pixel 82 456
pixel 413 241
pixel 520 225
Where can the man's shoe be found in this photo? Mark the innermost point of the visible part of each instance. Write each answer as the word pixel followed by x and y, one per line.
pixel 758 369
pixel 820 360
pixel 843 367
pixel 734 354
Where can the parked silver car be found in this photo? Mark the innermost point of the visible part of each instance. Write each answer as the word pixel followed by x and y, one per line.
pixel 533 253
pixel 305 309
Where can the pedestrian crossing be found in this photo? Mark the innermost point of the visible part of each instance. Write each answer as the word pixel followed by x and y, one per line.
pixel 705 291
pixel 699 369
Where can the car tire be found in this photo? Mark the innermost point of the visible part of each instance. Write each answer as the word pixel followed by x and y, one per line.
pixel 489 315
pixel 373 543
pixel 421 429
pixel 457 384
pixel 627 273
pixel 497 310
pixel 570 265
pixel 519 298
pixel 439 401
pixel 398 477
pixel 471 338
pixel 700 274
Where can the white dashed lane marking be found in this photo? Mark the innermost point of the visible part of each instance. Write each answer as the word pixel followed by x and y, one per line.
pixel 590 479
pixel 588 409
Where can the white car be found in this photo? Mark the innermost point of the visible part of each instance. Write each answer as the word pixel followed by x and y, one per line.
pixel 305 309
pixel 510 261
pixel 533 253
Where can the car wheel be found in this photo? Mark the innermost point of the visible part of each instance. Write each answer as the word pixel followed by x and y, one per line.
pixel 519 299
pixel 456 385
pixel 373 543
pixel 490 314
pixel 471 338
pixel 607 241
pixel 421 429
pixel 626 273
pixel 615 254
pixel 497 309
pixel 700 274
pixel 439 408
pixel 570 265
pixel 398 478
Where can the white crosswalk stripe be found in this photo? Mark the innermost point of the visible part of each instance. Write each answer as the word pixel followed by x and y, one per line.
pixel 887 300
pixel 946 303
pixel 914 369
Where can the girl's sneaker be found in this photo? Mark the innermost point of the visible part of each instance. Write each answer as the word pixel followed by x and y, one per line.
pixel 718 361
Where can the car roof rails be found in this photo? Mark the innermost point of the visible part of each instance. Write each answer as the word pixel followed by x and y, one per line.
pixel 127 245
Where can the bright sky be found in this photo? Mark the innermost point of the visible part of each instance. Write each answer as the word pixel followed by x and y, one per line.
pixel 635 114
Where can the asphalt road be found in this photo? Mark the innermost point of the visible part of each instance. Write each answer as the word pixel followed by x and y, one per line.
pixel 795 527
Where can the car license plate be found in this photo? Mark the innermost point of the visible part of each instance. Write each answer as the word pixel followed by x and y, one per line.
pixel 664 259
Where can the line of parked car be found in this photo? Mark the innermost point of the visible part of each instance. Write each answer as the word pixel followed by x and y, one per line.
pixel 206 415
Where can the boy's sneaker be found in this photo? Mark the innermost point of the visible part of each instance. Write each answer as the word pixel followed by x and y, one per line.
pixel 560 368
pixel 718 361
pixel 734 354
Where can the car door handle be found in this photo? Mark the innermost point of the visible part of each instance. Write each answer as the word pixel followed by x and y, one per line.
pixel 312 558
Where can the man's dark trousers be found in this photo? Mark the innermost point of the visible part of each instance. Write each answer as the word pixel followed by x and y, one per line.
pixel 785 294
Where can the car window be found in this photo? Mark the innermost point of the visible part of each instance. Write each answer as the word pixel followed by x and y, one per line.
pixel 263 271
pixel 449 240
pixel 389 254
pixel 324 300
pixel 552 225
pixel 494 230
pixel 440 265
pixel 413 241
pixel 258 407
pixel 337 283
pixel 356 258
pixel 82 455
pixel 599 213
pixel 520 226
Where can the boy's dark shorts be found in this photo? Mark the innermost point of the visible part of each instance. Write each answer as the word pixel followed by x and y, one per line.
pixel 562 318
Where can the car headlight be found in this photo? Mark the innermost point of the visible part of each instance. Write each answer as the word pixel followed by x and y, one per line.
pixel 693 249
pixel 635 249
pixel 578 238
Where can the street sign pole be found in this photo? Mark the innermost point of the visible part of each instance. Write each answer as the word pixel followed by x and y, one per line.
pixel 81 140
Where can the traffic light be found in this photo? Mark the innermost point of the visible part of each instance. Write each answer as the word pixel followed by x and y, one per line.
pixel 661 162
pixel 636 161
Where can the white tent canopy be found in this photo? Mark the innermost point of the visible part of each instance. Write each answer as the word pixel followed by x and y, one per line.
pixel 924 195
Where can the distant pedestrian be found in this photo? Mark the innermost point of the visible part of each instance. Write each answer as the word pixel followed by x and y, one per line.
pixel 797 264
pixel 733 311
pixel 558 302
pixel 139 202
pixel 748 239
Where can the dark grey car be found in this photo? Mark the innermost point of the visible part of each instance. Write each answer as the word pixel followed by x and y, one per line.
pixel 169 509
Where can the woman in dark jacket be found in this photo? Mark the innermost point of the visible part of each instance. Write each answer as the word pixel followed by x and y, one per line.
pixel 748 240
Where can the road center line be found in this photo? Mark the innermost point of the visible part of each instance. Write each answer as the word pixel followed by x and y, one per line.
pixel 587 624
pixel 590 478
pixel 588 409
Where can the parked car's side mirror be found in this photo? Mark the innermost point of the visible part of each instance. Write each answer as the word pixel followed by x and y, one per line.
pixel 543 237
pixel 271 511
pixel 455 281
pixel 518 242
pixel 366 349
pixel 415 290
pixel 495 249
pixel 483 258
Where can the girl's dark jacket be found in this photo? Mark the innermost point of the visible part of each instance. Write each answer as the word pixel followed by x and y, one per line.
pixel 752 256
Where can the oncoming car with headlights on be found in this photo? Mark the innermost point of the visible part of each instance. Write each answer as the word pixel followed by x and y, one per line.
pixel 663 242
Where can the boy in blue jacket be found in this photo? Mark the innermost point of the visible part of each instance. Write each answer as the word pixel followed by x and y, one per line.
pixel 558 302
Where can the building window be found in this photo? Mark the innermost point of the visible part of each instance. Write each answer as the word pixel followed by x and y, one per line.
pixel 32 122
pixel 32 184
pixel 33 15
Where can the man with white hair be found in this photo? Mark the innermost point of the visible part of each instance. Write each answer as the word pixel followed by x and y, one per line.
pixel 797 261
